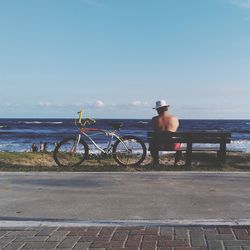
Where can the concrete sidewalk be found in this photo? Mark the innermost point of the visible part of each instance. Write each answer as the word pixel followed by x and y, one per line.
pixel 126 197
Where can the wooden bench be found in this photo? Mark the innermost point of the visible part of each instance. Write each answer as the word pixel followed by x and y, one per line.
pixel 221 138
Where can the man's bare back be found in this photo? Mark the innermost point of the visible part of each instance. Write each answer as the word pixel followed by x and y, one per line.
pixel 165 122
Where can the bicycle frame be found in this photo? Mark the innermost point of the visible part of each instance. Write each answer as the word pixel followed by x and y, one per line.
pixel 110 134
pixel 83 130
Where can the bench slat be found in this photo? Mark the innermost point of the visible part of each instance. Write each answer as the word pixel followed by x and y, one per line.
pixel 195 149
pixel 191 133
pixel 192 140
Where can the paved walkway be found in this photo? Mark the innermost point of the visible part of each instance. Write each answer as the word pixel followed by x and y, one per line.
pixel 45 204
pixel 130 238
pixel 125 196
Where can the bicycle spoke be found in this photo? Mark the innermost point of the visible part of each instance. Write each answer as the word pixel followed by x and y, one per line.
pixel 70 153
pixel 130 151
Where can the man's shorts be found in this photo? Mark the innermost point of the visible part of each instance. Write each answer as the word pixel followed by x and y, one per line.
pixel 166 146
pixel 170 147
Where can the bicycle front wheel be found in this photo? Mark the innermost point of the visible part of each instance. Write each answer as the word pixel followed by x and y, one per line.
pixel 129 151
pixel 69 153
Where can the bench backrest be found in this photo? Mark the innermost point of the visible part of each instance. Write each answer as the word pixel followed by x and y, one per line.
pixel 190 136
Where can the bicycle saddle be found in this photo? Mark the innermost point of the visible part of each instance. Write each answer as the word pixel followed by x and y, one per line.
pixel 116 125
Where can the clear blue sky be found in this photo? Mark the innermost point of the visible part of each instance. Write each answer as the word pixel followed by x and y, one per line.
pixel 115 58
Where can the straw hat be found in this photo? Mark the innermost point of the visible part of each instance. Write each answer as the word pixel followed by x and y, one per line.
pixel 160 104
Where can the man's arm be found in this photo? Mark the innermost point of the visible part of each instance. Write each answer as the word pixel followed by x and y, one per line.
pixel 154 123
pixel 174 123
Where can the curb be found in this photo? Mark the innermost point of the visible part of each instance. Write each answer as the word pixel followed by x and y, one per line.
pixel 122 223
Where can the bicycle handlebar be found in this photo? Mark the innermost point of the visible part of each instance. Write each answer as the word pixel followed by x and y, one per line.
pixel 86 121
pixel 89 121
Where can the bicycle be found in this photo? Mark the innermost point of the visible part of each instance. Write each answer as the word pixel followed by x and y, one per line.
pixel 126 150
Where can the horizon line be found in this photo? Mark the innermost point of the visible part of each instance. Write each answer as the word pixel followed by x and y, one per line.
pixel 68 118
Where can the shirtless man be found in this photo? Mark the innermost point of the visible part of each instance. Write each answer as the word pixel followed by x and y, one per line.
pixel 164 122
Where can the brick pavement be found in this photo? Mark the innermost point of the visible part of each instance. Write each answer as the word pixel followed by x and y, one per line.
pixel 129 238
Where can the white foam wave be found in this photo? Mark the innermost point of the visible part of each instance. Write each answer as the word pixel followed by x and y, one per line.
pixel 37 122
pixel 3 126
pixel 54 122
pixel 13 147
pixel 239 145
pixel 18 147
pixel 142 122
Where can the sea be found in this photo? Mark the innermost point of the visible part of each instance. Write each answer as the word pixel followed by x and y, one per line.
pixel 17 135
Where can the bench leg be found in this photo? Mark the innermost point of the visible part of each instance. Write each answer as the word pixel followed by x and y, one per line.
pixel 220 163
pixel 178 155
pixel 189 155
pixel 222 154
pixel 155 155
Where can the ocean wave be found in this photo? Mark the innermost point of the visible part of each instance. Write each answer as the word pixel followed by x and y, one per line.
pixel 240 145
pixel 5 133
pixel 142 122
pixel 39 122
pixel 245 131
pixel 240 142
pixel 4 126
pixel 235 145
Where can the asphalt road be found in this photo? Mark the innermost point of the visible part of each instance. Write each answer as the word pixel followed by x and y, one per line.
pixel 124 196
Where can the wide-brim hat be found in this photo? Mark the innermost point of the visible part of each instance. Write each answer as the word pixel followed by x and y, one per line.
pixel 160 104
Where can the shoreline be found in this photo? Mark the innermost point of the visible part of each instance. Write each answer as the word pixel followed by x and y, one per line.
pixel 202 161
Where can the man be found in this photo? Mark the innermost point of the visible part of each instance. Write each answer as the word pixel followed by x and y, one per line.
pixel 164 122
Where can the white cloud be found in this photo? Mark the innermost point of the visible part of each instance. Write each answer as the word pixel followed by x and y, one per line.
pixel 131 105
pixel 139 104
pixel 95 104
pixel 44 104
pixel 78 105
pixel 99 104
pixel 47 104
pixel 226 108
pixel 244 4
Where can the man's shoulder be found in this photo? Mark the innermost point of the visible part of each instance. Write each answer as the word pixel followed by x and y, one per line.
pixel 174 121
pixel 155 117
pixel 173 117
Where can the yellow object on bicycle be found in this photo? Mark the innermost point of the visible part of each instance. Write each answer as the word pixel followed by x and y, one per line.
pixel 80 116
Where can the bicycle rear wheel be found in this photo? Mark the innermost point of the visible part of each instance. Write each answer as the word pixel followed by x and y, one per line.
pixel 69 153
pixel 129 151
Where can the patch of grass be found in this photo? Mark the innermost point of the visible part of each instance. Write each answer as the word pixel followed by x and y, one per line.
pixel 202 161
